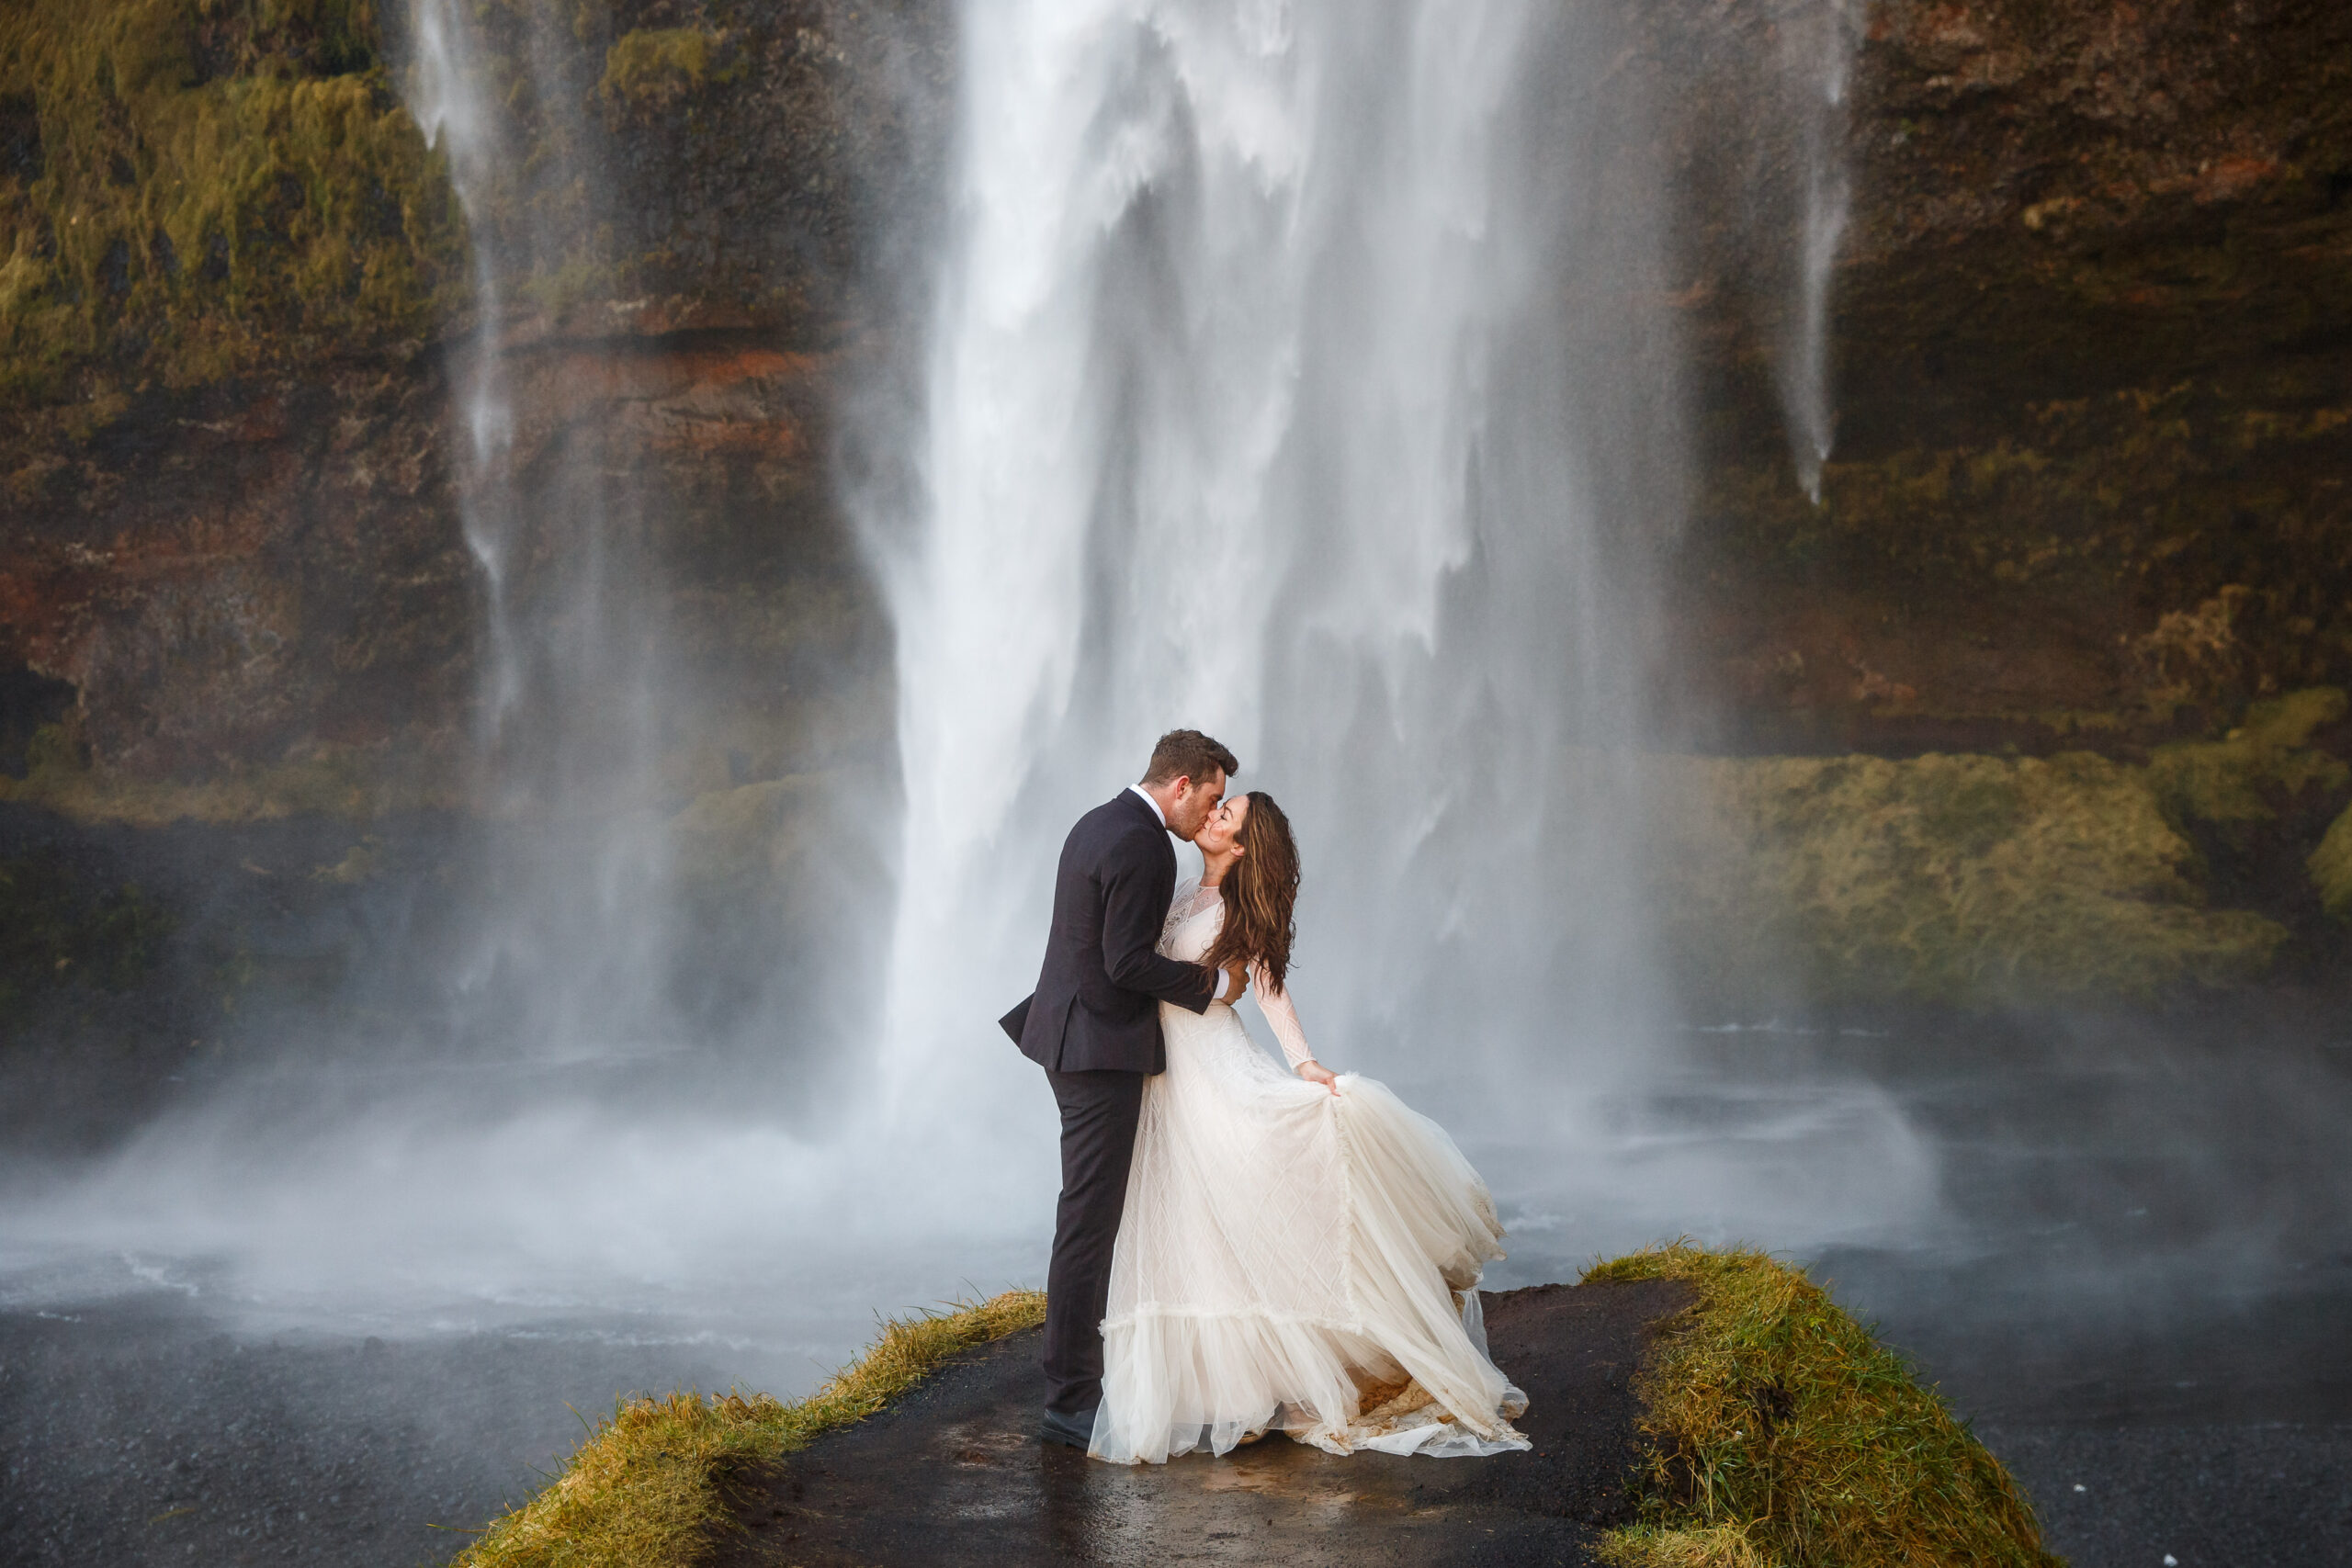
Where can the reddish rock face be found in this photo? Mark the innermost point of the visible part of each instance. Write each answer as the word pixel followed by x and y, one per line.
pixel 276 566
pixel 225 573
pixel 243 571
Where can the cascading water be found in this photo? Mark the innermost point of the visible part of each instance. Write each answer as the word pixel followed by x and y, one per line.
pixel 1290 380
pixel 448 98
pixel 1817 54
pixel 573 935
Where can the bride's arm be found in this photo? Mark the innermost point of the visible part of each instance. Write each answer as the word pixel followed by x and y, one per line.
pixel 1284 1018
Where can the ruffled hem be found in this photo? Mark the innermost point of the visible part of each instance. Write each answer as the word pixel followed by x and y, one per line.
pixel 1404 1371
pixel 1178 1382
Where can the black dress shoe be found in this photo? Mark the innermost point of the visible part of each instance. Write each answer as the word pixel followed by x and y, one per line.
pixel 1075 1431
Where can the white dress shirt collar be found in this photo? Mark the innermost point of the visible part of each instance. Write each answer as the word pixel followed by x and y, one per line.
pixel 1153 804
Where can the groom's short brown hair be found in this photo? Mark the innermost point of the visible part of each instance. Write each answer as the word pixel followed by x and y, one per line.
pixel 1188 754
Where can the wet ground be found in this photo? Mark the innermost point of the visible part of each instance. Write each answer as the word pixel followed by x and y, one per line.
pixel 2127 1255
pixel 138 1432
pixel 956 1474
pixel 2274 1495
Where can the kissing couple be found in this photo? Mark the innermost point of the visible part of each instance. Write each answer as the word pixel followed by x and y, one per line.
pixel 1237 1249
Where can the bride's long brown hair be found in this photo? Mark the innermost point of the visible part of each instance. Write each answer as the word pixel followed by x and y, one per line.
pixel 1261 889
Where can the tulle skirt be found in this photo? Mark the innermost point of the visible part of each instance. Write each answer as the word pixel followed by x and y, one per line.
pixel 1298 1261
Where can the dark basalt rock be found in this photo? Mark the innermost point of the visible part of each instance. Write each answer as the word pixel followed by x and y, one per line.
pixel 956 1472
pixel 2091 316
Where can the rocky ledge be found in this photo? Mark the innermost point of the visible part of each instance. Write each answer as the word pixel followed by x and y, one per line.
pixel 958 1460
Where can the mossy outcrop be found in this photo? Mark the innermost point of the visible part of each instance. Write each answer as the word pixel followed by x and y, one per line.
pixel 2331 868
pixel 1978 881
pixel 651 68
pixel 2244 777
pixel 1782 1431
pixel 354 783
pixel 1950 879
pixel 194 189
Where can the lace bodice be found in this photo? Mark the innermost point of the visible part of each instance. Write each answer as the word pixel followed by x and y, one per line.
pixel 1193 923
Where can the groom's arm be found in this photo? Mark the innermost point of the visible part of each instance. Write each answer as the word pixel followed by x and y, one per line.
pixel 1134 907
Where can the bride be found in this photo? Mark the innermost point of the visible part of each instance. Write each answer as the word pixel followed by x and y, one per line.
pixel 1298 1254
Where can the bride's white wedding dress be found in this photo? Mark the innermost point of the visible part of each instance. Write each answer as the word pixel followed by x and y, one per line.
pixel 1292 1259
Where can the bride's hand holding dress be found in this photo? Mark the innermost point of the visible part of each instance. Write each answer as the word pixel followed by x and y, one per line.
pixel 1298 1253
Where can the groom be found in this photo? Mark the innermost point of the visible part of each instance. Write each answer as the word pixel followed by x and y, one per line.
pixel 1093 1024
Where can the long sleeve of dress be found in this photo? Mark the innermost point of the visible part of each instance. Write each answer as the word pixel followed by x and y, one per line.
pixel 1275 1002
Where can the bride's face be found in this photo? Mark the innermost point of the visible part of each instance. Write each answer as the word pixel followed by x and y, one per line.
pixel 1217 834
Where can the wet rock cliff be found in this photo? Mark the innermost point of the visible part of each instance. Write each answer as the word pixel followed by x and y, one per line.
pixel 2080 571
pixel 237 281
pixel 2036 699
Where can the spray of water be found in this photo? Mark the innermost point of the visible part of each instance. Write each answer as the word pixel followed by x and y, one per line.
pixel 572 947
pixel 449 99
pixel 1292 371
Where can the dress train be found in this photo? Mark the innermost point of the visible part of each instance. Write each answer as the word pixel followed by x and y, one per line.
pixel 1291 1260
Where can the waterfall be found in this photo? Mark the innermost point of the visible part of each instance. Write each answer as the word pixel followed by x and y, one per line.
pixel 1289 379
pixel 1304 372
pixel 448 98
pixel 1817 44
pixel 572 947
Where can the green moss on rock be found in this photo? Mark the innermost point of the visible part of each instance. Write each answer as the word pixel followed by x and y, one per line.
pixel 352 783
pixel 752 833
pixel 2330 868
pixel 653 67
pixel 198 187
pixel 2241 777
pixel 2198 528
pixel 1956 879
pixel 1783 1432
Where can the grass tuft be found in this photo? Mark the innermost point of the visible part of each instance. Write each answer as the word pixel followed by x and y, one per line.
pixel 1784 1433
pixel 644 1490
pixel 1689 1546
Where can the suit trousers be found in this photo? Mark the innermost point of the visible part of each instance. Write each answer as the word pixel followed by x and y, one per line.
pixel 1098 1113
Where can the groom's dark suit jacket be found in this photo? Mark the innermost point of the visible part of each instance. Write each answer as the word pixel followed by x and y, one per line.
pixel 1097 1002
